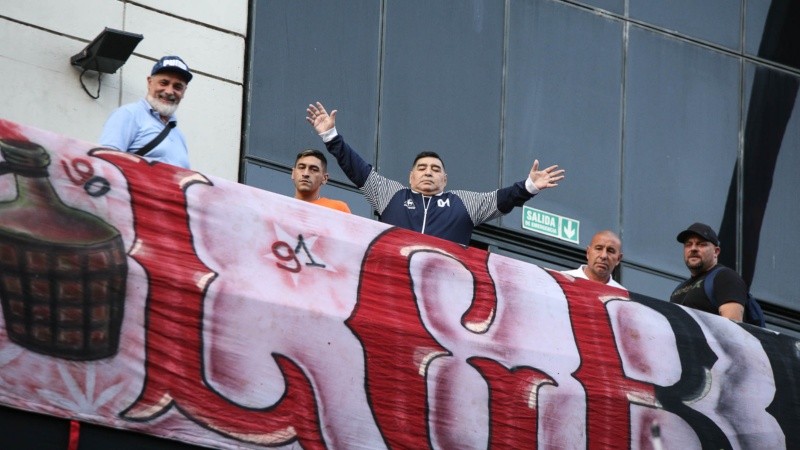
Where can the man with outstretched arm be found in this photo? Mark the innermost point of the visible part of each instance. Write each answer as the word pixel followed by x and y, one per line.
pixel 425 206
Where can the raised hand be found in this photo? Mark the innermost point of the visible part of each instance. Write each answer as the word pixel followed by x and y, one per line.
pixel 319 118
pixel 546 178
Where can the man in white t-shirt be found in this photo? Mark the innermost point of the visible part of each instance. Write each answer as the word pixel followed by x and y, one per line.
pixel 603 255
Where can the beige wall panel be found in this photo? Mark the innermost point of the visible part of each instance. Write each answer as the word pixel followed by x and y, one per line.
pixel 212 120
pixel 42 89
pixel 205 50
pixel 229 15
pixel 83 19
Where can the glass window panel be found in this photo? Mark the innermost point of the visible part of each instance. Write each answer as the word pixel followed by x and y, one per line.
pixel 681 144
pixel 355 200
pixel 563 107
pixel 770 235
pixel 772 31
pixel 442 80
pixel 615 6
pixel 715 21
pixel 755 21
pixel 269 179
pixel 301 52
pixel 649 284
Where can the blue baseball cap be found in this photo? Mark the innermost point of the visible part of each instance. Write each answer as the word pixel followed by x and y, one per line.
pixel 172 64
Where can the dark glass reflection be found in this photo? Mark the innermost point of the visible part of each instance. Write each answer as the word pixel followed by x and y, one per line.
pixel 777 40
pixel 772 101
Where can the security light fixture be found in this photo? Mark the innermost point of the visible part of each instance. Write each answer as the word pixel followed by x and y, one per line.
pixel 105 54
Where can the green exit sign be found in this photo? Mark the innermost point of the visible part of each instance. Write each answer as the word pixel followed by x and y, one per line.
pixel 550 224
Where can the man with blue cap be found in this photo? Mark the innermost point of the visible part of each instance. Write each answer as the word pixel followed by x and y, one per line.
pixel 149 127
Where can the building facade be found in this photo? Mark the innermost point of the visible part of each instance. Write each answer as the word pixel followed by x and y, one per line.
pixel 663 114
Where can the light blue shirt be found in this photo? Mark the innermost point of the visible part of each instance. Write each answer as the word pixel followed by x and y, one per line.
pixel 130 127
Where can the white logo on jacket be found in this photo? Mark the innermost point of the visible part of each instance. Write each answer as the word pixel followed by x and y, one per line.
pixel 442 203
pixel 409 204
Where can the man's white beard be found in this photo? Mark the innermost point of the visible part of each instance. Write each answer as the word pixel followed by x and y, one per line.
pixel 164 109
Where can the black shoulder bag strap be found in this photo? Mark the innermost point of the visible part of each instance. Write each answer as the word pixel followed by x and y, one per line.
pixel 157 140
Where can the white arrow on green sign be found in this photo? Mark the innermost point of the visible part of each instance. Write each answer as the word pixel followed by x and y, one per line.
pixel 550 224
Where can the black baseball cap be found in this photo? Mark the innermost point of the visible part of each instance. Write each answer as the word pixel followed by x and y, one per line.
pixel 700 229
pixel 172 64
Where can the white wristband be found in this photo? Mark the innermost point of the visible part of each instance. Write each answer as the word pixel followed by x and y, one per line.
pixel 529 186
pixel 327 136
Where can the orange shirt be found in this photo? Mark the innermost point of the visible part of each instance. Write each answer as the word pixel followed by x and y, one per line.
pixel 333 204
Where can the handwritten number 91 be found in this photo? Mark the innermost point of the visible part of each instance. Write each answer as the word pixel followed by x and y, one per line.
pixel 286 254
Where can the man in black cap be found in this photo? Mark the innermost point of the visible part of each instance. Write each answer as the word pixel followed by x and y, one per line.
pixel 147 127
pixel 700 252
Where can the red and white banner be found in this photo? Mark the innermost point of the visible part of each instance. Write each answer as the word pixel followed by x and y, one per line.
pixel 147 297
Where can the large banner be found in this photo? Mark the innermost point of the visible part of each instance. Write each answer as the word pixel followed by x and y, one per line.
pixel 147 297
